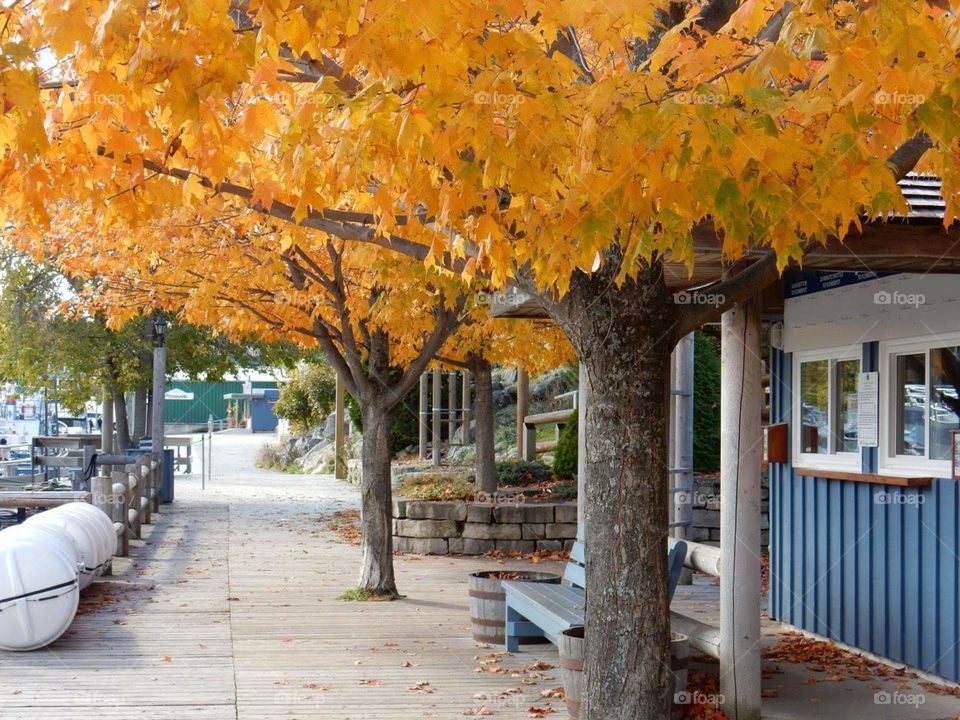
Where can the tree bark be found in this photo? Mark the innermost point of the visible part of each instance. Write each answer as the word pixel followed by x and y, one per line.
pixel 376 508
pixel 140 412
pixel 121 420
pixel 624 336
pixel 486 459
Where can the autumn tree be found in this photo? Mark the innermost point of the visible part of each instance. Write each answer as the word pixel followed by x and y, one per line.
pixel 583 150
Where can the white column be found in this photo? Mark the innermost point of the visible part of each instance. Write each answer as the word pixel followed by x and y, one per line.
pixel 740 450
pixel 422 417
pixel 339 433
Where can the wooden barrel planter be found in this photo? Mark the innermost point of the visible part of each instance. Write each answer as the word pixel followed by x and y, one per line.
pixel 571 648
pixel 488 608
pixel 571 668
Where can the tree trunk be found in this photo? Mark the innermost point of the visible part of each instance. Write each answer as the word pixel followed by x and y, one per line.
pixel 486 459
pixel 140 412
pixel 121 420
pixel 623 335
pixel 376 509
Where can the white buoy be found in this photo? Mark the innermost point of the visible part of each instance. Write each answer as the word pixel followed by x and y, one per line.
pixel 39 586
pixel 90 529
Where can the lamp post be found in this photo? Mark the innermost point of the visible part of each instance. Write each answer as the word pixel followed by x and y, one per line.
pixel 159 389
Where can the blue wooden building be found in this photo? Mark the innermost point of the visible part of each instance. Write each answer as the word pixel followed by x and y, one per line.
pixel 865 513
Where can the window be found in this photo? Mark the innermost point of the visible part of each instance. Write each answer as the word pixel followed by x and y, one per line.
pixel 825 411
pixel 925 406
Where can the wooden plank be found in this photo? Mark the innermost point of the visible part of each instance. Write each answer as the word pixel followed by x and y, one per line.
pixel 40 498
pixel 864 477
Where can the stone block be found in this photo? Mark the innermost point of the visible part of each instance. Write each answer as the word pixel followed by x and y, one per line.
pixel 537 513
pixel 549 545
pixel 479 513
pixel 501 531
pixel 455 545
pixel 473 546
pixel 764 521
pixel 508 513
pixel 534 531
pixel 427 528
pixel 420 546
pixel 698 534
pixel 437 510
pixel 561 531
pixel 566 513
pixel 715 534
pixel 706 518
pixel 523 546
pixel 400 507
pixel 568 545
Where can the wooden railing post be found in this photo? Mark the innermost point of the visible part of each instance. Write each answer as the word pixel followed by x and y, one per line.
pixel 145 474
pixel 101 497
pixel 121 490
pixel 156 468
pixel 134 483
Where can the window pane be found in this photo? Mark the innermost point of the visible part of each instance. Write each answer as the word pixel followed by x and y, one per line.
pixel 814 391
pixel 944 403
pixel 911 390
pixel 846 426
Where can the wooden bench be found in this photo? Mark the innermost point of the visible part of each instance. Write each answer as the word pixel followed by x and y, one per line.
pixel 543 610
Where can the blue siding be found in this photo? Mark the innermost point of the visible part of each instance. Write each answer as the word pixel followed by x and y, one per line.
pixel 883 576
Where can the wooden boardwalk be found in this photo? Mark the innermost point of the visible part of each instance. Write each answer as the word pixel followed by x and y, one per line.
pixel 227 610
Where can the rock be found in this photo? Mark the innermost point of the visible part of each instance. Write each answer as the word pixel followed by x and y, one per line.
pixel 481 531
pixel 508 513
pixel 421 546
pixel 698 534
pixel 354 472
pixel 479 513
pixel 400 508
pixel 330 426
pixel 319 458
pixel 523 546
pixel 455 545
pixel 561 530
pixel 549 545
pixel 437 510
pixel 534 531
pixel 706 518
pixel 537 513
pixel 427 528
pixel 566 513
pixel 474 546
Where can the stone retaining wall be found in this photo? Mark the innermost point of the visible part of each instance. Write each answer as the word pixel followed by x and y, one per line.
pixel 706 511
pixel 437 528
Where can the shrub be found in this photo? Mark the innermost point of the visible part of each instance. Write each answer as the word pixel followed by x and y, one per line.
pixel 436 487
pixel 565 456
pixel 272 456
pixel 308 398
pixel 706 404
pixel 563 491
pixel 522 472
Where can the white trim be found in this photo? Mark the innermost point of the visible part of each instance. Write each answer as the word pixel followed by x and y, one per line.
pixel 905 465
pixel 831 460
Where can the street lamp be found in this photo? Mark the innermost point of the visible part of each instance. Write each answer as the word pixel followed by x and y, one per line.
pixel 159 331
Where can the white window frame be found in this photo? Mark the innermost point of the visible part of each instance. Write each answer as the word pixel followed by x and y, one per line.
pixel 831 460
pixel 907 465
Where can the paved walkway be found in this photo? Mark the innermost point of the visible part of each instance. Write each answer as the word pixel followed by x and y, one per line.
pixel 228 609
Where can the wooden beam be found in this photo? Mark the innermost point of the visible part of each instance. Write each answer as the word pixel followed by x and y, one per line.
pixel 865 477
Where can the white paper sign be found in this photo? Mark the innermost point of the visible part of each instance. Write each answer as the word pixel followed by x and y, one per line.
pixel 868 419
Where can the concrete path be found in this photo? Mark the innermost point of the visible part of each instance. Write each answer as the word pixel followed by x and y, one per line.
pixel 228 609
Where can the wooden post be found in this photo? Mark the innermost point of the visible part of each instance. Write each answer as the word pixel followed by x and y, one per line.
pixel 147 478
pixel 452 408
pixel 437 402
pixel 583 397
pixel 135 484
pixel 106 439
pixel 523 393
pixel 119 509
pixel 422 416
pixel 339 440
pixel 101 497
pixel 741 397
pixel 466 434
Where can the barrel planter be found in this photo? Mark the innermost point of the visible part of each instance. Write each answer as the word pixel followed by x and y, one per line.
pixel 571 668
pixel 488 608
pixel 571 649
